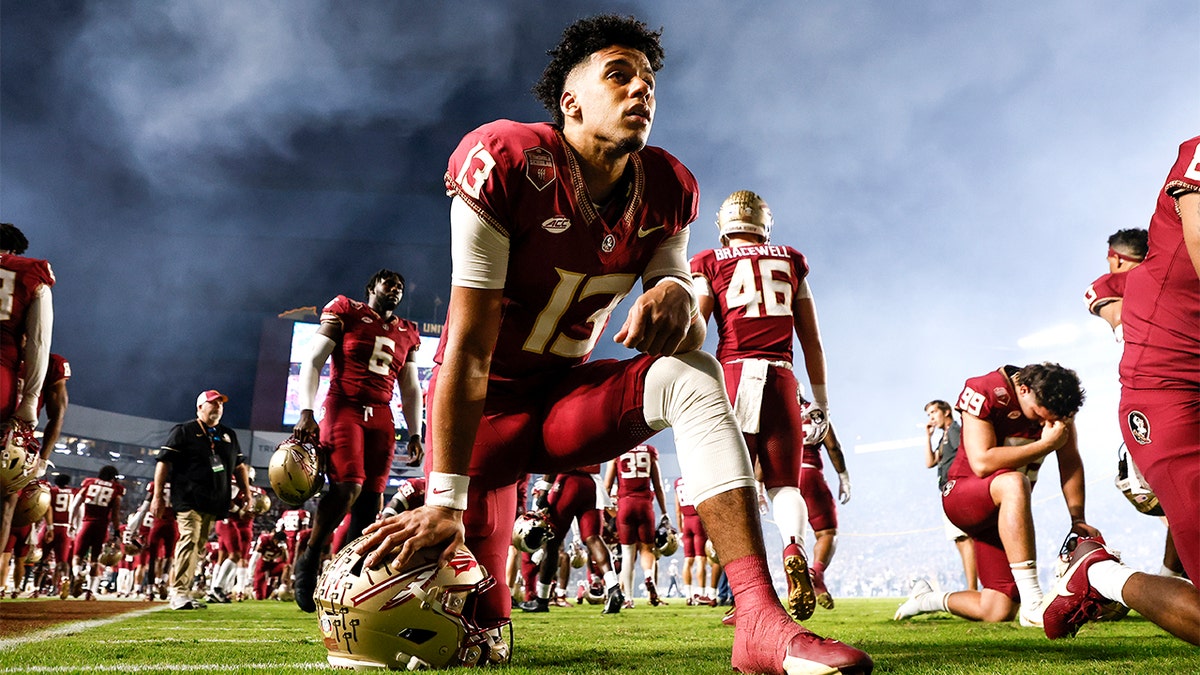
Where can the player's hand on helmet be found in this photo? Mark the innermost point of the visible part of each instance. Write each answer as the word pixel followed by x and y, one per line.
pixel 844 487
pixel 306 429
pixel 394 540
pixel 658 322
pixel 1080 527
pixel 665 521
pixel 816 424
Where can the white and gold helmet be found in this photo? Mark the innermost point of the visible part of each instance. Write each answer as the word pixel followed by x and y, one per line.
pixel 417 616
pixel 295 471
pixel 531 531
pixel 33 504
pixel 744 211
pixel 19 458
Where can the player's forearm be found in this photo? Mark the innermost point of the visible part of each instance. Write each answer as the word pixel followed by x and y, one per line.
pixel 410 395
pixel 986 462
pixel 39 326
pixel 310 370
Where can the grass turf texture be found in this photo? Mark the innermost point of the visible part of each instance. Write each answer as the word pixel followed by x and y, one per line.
pixel 274 637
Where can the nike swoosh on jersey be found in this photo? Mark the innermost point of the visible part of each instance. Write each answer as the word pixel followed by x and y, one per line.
pixel 643 231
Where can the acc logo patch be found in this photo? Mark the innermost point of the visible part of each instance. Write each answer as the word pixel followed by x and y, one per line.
pixel 1014 414
pixel 1139 426
pixel 539 167
pixel 556 224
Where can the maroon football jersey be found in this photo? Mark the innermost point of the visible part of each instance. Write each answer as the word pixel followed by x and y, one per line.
pixel 993 398
pixel 293 520
pixel 410 494
pixel 570 262
pixel 633 472
pixel 752 289
pixel 1162 298
pixel 60 504
pixel 269 548
pixel 1104 290
pixel 100 497
pixel 371 354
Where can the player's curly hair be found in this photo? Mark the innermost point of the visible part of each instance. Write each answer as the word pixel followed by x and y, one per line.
pixel 1134 242
pixel 107 472
pixel 586 37
pixel 1055 387
pixel 12 239
pixel 380 276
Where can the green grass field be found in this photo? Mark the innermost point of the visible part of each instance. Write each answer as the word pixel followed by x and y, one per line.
pixel 273 637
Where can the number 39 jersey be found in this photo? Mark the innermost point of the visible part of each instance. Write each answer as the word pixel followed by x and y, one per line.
pixel 371 353
pixel 570 261
pixel 753 288
pixel 633 472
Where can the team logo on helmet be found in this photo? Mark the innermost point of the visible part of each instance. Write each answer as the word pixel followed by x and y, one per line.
pixel 295 471
pixel 416 616
pixel 744 212
pixel 1139 426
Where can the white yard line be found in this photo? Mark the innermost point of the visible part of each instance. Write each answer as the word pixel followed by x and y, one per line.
pixel 72 628
pixel 168 667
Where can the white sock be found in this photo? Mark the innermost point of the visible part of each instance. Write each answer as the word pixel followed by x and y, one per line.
pixel 687 591
pixel 628 555
pixel 543 590
pixel 610 580
pixel 934 602
pixel 1168 572
pixel 1108 577
pixel 790 512
pixel 710 592
pixel 1026 576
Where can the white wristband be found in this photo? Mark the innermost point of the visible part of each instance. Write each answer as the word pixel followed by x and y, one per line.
pixel 448 490
pixel 693 305
pixel 821 396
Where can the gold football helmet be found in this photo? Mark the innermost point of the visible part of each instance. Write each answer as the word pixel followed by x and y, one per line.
pixel 417 616
pixel 295 471
pixel 744 211
pixel 33 504
pixel 110 554
pixel 260 503
pixel 531 531
pixel 666 540
pixel 579 554
pixel 19 458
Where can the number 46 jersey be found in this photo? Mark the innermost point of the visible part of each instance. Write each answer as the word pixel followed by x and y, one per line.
pixel 753 288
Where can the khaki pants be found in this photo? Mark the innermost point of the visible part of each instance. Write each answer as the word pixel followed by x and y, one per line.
pixel 194 528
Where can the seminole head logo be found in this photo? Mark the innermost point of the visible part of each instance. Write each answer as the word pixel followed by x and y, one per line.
pixel 1139 426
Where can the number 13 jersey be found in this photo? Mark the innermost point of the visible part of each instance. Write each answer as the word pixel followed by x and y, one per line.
pixel 570 261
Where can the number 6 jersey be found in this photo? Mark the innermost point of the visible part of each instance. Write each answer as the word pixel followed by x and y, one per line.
pixel 372 352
